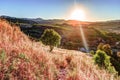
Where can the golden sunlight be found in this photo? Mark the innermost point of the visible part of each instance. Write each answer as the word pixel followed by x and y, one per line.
pixel 78 14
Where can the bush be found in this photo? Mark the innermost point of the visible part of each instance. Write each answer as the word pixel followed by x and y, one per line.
pixel 51 38
pixel 102 59
pixel 100 46
pixel 107 49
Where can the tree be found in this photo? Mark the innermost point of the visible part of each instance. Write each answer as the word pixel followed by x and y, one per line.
pixel 51 38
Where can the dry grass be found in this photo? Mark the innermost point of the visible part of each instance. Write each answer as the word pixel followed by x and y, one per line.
pixel 22 59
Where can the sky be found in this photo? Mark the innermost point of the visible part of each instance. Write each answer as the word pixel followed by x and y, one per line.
pixel 95 10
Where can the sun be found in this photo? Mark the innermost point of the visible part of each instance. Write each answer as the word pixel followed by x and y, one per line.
pixel 78 14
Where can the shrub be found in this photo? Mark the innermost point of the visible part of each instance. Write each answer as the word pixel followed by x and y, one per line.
pixel 51 38
pixel 102 59
pixel 107 49
pixel 100 46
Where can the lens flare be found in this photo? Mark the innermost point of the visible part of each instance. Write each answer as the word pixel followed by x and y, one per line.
pixel 84 39
pixel 78 14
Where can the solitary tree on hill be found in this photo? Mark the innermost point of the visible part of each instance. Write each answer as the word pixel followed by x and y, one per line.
pixel 51 37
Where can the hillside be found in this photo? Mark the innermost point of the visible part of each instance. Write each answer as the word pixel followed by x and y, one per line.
pixel 111 26
pixel 23 59
pixel 95 32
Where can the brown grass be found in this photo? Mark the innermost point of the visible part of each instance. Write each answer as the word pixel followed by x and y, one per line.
pixel 23 59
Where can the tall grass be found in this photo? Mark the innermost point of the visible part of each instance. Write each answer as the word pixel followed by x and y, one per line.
pixel 23 59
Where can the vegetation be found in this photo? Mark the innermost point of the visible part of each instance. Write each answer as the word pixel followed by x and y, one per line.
pixel 104 54
pixel 100 46
pixel 107 48
pixel 92 52
pixel 23 59
pixel 95 32
pixel 101 33
pixel 102 59
pixel 51 38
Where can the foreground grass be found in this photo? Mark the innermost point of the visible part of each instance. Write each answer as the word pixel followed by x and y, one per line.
pixel 23 59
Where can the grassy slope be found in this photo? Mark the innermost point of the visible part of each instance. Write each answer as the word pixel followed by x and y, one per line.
pixel 22 59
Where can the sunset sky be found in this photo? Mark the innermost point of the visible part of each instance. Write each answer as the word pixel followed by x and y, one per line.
pixel 95 10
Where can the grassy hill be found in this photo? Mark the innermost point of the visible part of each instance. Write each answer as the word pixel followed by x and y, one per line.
pixel 23 59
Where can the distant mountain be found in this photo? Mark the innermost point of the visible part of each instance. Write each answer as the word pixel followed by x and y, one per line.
pixel 38 20
pixel 31 20
pixel 18 20
pixel 51 21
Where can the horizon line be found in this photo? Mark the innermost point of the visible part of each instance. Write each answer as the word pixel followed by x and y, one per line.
pixel 62 19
